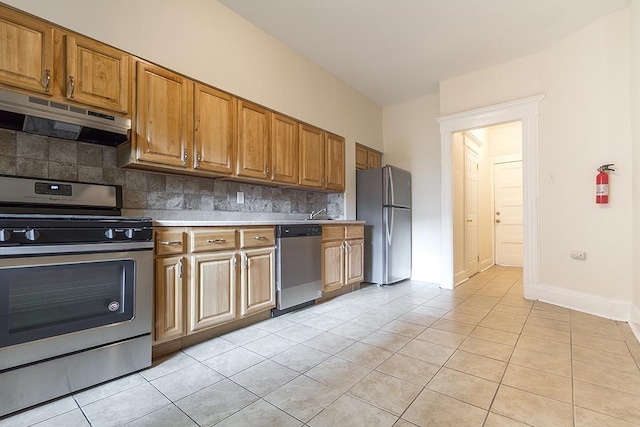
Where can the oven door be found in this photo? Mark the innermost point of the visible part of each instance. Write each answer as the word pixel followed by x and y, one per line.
pixel 60 303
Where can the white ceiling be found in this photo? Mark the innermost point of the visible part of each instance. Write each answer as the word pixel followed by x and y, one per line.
pixel 396 50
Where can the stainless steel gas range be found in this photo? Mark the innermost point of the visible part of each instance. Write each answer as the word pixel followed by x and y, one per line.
pixel 76 289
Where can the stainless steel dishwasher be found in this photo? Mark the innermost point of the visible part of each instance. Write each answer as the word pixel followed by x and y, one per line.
pixel 298 266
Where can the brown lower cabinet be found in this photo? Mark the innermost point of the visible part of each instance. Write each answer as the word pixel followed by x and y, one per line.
pixel 342 256
pixel 211 276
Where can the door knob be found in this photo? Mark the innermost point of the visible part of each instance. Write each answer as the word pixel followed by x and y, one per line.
pixel 497 213
pixel 498 221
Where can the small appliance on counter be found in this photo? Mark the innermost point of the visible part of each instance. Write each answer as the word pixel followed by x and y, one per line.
pixel 383 200
pixel 76 289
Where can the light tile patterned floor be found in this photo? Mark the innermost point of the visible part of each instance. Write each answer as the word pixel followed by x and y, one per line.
pixel 403 355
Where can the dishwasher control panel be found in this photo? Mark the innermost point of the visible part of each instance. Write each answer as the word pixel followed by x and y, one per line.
pixel 298 230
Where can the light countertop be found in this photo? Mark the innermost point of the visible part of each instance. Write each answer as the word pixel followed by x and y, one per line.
pixel 208 223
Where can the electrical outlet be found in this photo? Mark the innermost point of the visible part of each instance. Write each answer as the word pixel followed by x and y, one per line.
pixel 240 198
pixel 580 255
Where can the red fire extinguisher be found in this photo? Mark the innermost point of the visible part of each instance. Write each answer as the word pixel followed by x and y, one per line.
pixel 602 184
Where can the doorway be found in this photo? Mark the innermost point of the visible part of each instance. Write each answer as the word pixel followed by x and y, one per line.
pixel 526 111
pixel 487 198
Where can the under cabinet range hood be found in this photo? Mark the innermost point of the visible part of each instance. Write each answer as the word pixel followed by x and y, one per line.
pixel 45 117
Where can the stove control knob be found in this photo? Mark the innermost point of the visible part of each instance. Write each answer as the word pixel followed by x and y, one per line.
pixel 109 233
pixel 129 232
pixel 32 234
pixel 4 235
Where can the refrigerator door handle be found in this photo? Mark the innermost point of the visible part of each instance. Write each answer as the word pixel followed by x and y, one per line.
pixel 389 226
pixel 391 186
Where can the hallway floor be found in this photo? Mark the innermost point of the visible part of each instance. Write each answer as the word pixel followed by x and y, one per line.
pixel 402 355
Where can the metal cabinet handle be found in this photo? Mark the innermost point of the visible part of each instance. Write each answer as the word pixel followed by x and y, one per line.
pixel 348 245
pixel 233 262
pixel 275 172
pixel 72 87
pixel 245 260
pixel 185 156
pixel 216 240
pixel 171 243
pixel 341 248
pixel 198 159
pixel 47 80
pixel 266 170
pixel 179 265
pixel 259 238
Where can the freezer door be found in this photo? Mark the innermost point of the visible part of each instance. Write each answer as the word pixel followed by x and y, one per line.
pixel 398 244
pixel 396 187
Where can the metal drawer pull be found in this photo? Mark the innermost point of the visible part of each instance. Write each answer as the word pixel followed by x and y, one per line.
pixel 259 238
pixel 216 240
pixel 171 243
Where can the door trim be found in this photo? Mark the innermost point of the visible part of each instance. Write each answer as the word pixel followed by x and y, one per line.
pixel 525 110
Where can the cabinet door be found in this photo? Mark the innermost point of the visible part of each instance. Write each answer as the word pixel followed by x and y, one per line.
pixel 311 156
pixel 361 158
pixel 334 162
pixel 373 160
pixel 26 52
pixel 97 74
pixel 257 285
pixel 354 267
pixel 169 310
pixel 214 130
pixel 284 149
pixel 253 141
pixel 162 132
pixel 332 265
pixel 212 291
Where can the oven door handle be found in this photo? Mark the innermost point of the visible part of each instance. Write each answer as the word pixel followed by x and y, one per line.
pixel 69 249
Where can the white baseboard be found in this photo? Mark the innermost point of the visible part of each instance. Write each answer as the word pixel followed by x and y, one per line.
pixel 485 265
pixel 610 308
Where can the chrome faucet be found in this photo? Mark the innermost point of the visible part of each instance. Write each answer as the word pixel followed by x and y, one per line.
pixel 314 214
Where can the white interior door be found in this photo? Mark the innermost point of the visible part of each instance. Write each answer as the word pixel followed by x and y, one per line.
pixel 472 250
pixel 508 216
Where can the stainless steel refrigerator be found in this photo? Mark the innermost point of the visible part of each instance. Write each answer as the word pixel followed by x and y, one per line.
pixel 383 200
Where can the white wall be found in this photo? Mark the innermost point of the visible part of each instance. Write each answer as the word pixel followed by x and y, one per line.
pixel 207 41
pixel 634 25
pixel 412 142
pixel 506 140
pixel 584 122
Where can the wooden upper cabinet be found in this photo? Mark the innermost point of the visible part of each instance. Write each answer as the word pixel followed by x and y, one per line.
pixel 334 162
pixel 367 158
pixel 253 141
pixel 26 52
pixel 162 131
pixel 97 74
pixel 214 130
pixel 284 149
pixel 374 159
pixel 361 157
pixel 311 156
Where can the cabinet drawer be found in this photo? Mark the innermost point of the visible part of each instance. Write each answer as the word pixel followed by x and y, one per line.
pixel 354 232
pixel 257 237
pixel 170 242
pixel 332 233
pixel 212 239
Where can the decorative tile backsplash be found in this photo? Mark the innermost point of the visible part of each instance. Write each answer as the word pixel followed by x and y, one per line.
pixel 160 196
